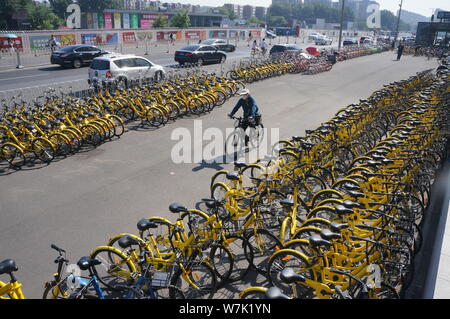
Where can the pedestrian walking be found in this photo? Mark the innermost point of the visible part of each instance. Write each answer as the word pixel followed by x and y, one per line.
pixel 10 46
pixel 263 46
pixel 250 37
pixel 400 51
pixel 171 38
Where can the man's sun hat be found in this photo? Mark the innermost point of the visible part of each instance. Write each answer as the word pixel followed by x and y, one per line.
pixel 244 92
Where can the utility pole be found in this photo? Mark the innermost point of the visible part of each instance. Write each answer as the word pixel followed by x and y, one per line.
pixel 342 25
pixel 398 21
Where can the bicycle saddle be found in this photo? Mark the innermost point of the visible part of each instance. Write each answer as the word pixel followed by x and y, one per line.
pixel 342 210
pixel 177 208
pixel 211 203
pixel 8 266
pixel 85 263
pixel 145 224
pixel 317 241
pixel 329 235
pixel 349 204
pixel 275 293
pixel 288 202
pixel 356 194
pixel 239 165
pixel 289 276
pixel 336 227
pixel 233 176
pixel 127 241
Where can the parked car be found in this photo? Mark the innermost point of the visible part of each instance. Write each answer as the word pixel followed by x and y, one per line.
pixel 123 69
pixel 365 40
pixel 199 53
pixel 313 36
pixel 350 41
pixel 270 34
pixel 323 40
pixel 220 44
pixel 76 55
pixel 285 49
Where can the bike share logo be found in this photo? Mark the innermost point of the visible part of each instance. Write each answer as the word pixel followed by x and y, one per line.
pixel 213 145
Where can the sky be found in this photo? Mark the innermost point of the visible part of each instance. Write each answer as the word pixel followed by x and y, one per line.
pixel 423 7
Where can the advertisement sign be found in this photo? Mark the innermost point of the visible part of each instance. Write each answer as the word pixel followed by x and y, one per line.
pixel 194 35
pixel 117 21
pixel 108 21
pixel 43 41
pixel 94 21
pixel 129 37
pixel 126 20
pixel 221 34
pixel 145 35
pixel 89 21
pixel 242 34
pixel 164 35
pixel 134 21
pixel 101 21
pixel 233 34
pixel 99 38
pixel 17 43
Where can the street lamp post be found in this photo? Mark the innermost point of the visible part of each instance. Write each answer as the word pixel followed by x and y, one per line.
pixel 398 21
pixel 341 26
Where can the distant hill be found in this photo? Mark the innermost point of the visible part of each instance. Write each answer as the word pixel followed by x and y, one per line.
pixel 413 19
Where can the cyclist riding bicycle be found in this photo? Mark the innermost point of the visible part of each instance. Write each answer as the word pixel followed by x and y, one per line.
pixel 252 117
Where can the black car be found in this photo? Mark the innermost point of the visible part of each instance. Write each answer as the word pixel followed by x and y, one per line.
pixel 220 44
pixel 199 53
pixel 279 50
pixel 76 55
pixel 350 41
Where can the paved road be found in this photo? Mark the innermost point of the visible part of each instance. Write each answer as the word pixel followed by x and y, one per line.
pixel 53 75
pixel 79 202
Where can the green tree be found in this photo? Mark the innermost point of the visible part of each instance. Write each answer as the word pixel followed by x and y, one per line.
pixel 276 21
pixel 161 22
pixel 254 20
pixel 98 5
pixel 389 22
pixel 8 8
pixel 59 7
pixel 227 12
pixel 180 19
pixel 43 18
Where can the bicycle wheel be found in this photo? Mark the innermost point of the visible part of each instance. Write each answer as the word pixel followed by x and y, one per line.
pixel 222 262
pixel 115 268
pixel 199 274
pixel 288 258
pixel 43 150
pixel 160 233
pixel 254 293
pixel 13 154
pixel 263 245
pixel 256 135
pixel 62 143
pixel 119 127
pixel 242 257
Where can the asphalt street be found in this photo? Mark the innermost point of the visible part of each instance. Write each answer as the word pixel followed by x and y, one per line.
pixel 54 75
pixel 79 202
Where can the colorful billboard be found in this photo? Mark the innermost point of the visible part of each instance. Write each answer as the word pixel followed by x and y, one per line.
pixel 43 41
pixel 108 21
pixel 89 21
pixel 117 21
pixel 145 35
pixel 95 20
pixel 218 34
pixel 134 21
pixel 101 21
pixel 16 42
pixel 99 38
pixel 126 20
pixel 233 34
pixel 128 37
pixel 164 35
pixel 194 35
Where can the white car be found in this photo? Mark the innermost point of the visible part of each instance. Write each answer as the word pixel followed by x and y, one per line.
pixel 313 36
pixel 323 40
pixel 123 69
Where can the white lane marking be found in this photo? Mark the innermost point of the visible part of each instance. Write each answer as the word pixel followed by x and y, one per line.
pixel 23 77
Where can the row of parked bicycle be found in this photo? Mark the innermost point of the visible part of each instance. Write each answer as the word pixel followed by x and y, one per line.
pixel 334 214
pixel 59 126
pixel 265 68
